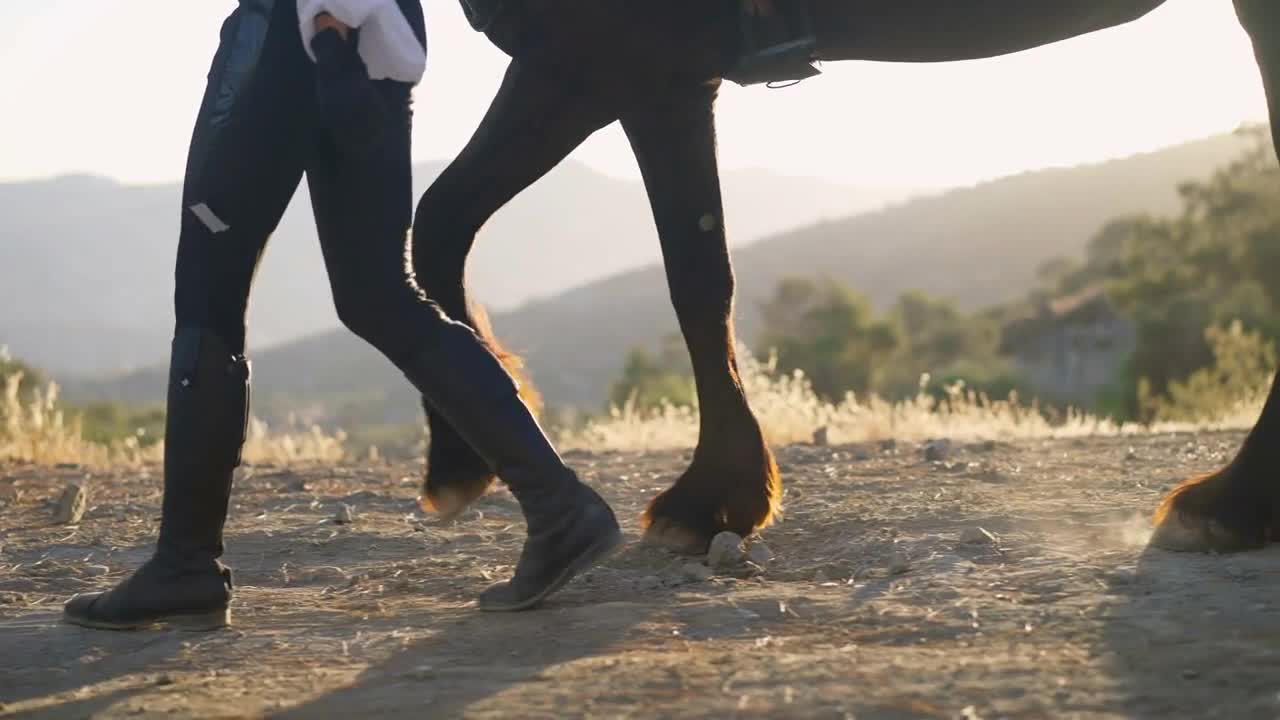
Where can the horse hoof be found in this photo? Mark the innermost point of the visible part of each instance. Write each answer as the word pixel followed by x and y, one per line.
pixel 1179 531
pixel 1209 514
pixel 676 538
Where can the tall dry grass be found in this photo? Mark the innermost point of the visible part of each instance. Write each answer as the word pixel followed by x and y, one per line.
pixel 791 412
pixel 37 430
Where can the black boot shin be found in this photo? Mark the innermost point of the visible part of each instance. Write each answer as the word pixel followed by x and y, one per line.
pixel 570 526
pixel 184 584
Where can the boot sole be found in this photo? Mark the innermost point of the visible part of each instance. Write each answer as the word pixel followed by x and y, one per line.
pixel 198 622
pixel 595 553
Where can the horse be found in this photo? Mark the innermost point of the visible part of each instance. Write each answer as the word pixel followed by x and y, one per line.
pixel 656 67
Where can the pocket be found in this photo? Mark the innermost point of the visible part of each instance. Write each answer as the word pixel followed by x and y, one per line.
pixel 244 36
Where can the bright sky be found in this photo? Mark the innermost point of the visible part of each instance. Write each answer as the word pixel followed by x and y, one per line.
pixel 112 88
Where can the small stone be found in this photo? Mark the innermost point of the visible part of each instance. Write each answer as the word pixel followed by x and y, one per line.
pixel 649 582
pixel 760 554
pixel 937 450
pixel 725 551
pixel 96 570
pixel 861 455
pixel 345 515
pixel 164 680
pixel 977 536
pixel 820 436
pixel 899 564
pixel 697 572
pixel 72 504
pixel 889 445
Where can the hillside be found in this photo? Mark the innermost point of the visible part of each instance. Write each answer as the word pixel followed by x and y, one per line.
pixel 86 264
pixel 978 245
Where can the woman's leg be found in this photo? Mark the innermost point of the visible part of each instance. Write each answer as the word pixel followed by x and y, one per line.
pixel 363 207
pixel 242 168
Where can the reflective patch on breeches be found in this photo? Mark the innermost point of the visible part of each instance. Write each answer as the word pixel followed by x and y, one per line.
pixel 209 218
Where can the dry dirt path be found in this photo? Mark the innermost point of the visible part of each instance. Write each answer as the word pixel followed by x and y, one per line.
pixel 884 599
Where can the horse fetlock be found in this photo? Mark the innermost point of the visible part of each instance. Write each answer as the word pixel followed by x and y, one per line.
pixel 1223 511
pixel 740 496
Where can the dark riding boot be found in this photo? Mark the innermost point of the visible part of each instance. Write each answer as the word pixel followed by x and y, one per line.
pixel 570 526
pixel 183 584
pixel 777 47
pixel 348 101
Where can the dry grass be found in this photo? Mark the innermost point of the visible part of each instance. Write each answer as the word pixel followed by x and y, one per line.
pixel 38 431
pixel 265 447
pixel 792 412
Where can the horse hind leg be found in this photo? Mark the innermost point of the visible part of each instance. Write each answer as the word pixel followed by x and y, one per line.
pixel 1238 506
pixel 456 476
pixel 533 123
pixel 1234 508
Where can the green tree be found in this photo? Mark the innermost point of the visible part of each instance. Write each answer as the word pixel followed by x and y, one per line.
pixel 1243 363
pixel 948 344
pixel 1214 263
pixel 649 379
pixel 829 331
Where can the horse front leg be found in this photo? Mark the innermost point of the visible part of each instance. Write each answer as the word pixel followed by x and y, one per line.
pixel 533 123
pixel 1238 506
pixel 732 483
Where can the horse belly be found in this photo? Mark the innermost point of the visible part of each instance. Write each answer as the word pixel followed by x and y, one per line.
pixel 947 30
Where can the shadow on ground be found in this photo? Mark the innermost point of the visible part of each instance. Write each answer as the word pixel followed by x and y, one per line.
pixel 1190 635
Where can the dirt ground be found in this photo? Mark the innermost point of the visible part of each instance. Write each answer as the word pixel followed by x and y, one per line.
pixel 883 600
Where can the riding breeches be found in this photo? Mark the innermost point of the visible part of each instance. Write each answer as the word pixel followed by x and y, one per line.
pixel 259 131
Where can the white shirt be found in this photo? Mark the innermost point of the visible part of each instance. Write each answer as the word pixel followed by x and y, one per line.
pixel 388 46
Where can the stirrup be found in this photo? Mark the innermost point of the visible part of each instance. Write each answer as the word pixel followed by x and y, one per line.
pixel 777 47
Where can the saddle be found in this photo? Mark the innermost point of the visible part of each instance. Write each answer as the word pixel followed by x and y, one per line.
pixel 775 47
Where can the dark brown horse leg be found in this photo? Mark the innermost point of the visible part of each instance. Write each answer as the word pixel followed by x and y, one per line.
pixel 1238 507
pixel 732 483
pixel 533 123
